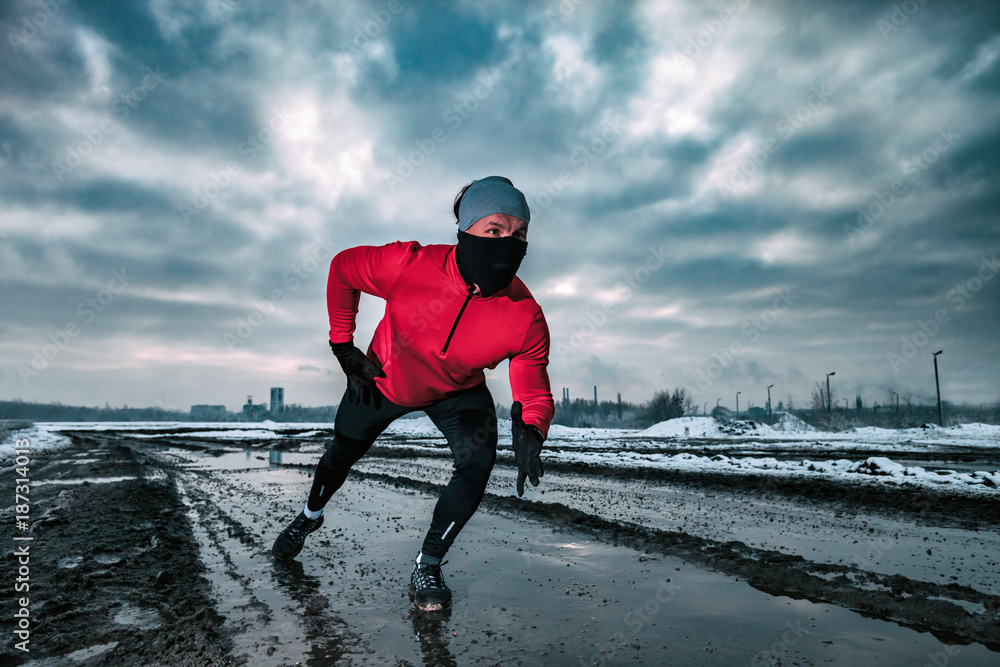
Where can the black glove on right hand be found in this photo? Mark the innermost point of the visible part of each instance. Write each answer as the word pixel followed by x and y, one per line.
pixel 361 374
pixel 527 449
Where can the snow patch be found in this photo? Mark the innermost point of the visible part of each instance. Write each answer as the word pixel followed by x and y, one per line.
pixel 696 427
pixel 39 439
pixel 875 466
pixel 421 427
pixel 789 423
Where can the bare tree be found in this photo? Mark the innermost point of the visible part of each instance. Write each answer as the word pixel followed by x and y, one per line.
pixel 819 399
pixel 666 405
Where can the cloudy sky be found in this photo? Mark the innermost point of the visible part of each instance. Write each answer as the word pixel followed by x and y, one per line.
pixel 725 195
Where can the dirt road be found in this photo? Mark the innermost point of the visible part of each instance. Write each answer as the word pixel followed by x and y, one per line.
pixel 148 554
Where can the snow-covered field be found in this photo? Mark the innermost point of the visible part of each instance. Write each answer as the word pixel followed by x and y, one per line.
pixel 790 447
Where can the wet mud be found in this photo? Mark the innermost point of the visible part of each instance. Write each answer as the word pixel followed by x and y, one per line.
pixel 115 577
pixel 162 557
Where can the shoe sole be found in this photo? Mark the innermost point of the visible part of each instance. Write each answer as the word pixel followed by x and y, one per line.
pixel 434 606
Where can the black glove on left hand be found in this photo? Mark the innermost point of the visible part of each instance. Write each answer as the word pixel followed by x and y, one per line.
pixel 527 449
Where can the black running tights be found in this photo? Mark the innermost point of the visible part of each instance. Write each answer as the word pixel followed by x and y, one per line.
pixel 469 423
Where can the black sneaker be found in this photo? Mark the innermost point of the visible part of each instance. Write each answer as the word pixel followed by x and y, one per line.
pixel 291 539
pixel 427 588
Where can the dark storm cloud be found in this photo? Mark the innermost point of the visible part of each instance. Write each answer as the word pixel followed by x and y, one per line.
pixel 851 105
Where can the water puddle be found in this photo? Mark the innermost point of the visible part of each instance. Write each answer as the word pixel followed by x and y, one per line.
pixel 70 562
pixel 82 480
pixel 866 540
pixel 77 657
pixel 584 601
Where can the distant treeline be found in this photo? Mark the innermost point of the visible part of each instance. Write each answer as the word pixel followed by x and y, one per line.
pixel 579 412
pixel 614 414
pixel 907 416
pixel 57 412
pixel 664 405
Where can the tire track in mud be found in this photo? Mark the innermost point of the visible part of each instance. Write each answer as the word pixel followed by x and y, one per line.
pixel 291 612
pixel 115 577
pixel 922 606
pixel 259 620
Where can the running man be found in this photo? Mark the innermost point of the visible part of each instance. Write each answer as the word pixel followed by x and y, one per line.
pixel 451 311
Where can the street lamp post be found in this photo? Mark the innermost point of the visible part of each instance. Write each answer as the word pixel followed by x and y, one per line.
pixel 938 385
pixel 738 405
pixel 770 422
pixel 829 398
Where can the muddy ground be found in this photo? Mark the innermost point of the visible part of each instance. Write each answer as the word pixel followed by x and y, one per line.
pixel 158 554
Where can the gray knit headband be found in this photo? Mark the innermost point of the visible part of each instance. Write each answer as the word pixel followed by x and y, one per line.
pixel 493 194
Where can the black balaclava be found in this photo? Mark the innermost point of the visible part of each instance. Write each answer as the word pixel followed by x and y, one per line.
pixel 489 262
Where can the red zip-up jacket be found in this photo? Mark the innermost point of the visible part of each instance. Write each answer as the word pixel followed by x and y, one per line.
pixel 436 337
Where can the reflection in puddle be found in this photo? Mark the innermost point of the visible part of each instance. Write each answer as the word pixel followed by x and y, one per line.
pixel 327 634
pixel 429 629
pixel 246 458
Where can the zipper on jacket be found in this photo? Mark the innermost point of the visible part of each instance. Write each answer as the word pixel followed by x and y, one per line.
pixel 457 317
